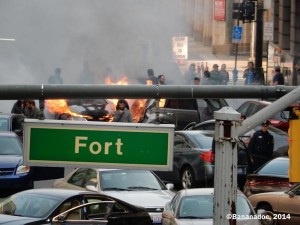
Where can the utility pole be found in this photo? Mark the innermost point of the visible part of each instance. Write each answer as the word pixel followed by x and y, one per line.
pixel 259 38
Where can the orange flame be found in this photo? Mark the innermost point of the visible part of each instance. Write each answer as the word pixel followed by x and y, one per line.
pixel 60 106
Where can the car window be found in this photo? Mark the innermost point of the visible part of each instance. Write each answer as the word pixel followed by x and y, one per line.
pixel 3 124
pixel 243 207
pixel 180 141
pixel 276 167
pixel 78 178
pixel 208 126
pixel 174 202
pixel 117 208
pixel 243 109
pixel 188 104
pixel 91 178
pixel 202 141
pixel 73 215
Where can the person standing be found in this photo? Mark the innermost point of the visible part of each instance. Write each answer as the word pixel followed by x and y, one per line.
pixel 152 77
pixel 206 80
pixel 122 113
pixel 249 74
pixel 196 81
pixel 190 74
pixel 224 74
pixel 261 145
pixel 56 77
pixel 18 107
pixel 215 75
pixel 278 78
pixel 31 110
pixel 161 80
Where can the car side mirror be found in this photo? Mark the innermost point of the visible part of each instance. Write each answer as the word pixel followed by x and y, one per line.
pixel 91 188
pixel 291 194
pixel 170 186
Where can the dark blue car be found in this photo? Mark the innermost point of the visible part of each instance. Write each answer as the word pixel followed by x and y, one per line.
pixel 13 173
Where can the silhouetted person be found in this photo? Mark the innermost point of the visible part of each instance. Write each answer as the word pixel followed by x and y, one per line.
pixel 56 78
pixel 18 107
pixel 152 77
pixel 278 78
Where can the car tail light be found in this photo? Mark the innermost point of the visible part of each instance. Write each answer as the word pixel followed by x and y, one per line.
pixel 208 156
pixel 275 122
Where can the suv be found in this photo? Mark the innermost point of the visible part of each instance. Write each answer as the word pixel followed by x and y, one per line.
pixel 279 120
pixel 181 112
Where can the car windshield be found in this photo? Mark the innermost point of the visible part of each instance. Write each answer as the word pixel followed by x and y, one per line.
pixel 202 141
pixel 10 146
pixel 275 167
pixel 29 205
pixel 130 180
pixel 201 207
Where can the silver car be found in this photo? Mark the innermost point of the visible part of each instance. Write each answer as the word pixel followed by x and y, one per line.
pixel 137 187
pixel 195 206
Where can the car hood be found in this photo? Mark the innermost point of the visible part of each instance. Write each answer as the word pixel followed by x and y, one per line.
pixel 210 222
pixel 10 161
pixel 145 199
pixel 17 220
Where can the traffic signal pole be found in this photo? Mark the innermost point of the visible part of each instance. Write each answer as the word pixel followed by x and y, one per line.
pixel 259 39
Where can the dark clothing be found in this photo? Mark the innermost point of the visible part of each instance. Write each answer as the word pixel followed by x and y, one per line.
pixel 32 114
pixel 278 78
pixel 17 108
pixel 55 79
pixel 261 147
pixel 154 79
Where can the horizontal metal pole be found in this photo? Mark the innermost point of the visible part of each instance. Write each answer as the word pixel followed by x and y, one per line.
pixel 48 91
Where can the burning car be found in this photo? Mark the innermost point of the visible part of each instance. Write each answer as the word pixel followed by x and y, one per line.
pixel 80 109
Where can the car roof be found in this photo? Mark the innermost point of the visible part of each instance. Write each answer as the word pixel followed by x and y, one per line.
pixel 204 132
pixel 8 115
pixel 201 191
pixel 58 192
pixel 8 134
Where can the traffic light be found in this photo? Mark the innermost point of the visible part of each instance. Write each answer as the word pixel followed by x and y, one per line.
pixel 244 11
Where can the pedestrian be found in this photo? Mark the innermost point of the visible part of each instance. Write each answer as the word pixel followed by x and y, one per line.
pixel 190 74
pixel 31 110
pixel 261 145
pixel 161 79
pixel 250 74
pixel 278 78
pixel 207 80
pixel 215 75
pixel 56 77
pixel 152 77
pixel 18 107
pixel 224 73
pixel 122 113
pixel 196 81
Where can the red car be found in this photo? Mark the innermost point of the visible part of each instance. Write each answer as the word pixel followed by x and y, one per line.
pixel 279 120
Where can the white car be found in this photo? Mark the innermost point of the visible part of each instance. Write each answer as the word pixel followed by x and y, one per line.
pixel 195 206
pixel 137 187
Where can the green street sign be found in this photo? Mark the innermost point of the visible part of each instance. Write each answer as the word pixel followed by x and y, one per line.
pixel 98 144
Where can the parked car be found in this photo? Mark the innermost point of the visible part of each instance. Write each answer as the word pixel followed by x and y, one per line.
pixel 181 112
pixel 281 142
pixel 193 160
pixel 279 120
pixel 14 175
pixel 195 206
pixel 273 176
pixel 58 206
pixel 137 187
pixel 12 122
pixel 284 205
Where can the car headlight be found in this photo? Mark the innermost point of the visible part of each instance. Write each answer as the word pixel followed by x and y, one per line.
pixel 23 169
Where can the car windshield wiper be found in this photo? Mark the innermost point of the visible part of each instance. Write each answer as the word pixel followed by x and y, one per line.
pixel 116 189
pixel 142 187
pixel 194 217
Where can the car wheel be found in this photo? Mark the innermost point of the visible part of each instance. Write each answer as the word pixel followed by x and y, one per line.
pixel 187 178
pixel 267 214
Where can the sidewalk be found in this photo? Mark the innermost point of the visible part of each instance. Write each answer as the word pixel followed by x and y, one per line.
pixel 197 53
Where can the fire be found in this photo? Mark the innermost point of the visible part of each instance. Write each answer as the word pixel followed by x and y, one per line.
pixel 60 106
pixel 136 105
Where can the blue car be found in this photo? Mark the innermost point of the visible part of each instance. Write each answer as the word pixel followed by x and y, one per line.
pixel 13 174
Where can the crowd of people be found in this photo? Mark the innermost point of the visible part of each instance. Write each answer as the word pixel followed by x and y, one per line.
pixel 26 107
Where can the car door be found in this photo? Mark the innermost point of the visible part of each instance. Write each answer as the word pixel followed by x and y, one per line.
pixel 180 112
